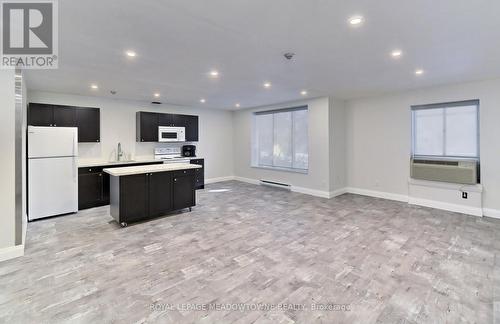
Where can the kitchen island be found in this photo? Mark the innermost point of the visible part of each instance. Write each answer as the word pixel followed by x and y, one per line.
pixel 148 191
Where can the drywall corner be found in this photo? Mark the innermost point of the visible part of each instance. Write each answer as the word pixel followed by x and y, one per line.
pixel 337 144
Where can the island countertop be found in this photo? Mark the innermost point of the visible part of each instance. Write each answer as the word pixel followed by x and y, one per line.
pixel 125 171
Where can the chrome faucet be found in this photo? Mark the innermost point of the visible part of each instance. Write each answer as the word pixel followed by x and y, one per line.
pixel 119 152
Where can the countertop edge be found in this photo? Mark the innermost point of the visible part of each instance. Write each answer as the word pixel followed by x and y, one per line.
pixel 104 164
pixel 116 172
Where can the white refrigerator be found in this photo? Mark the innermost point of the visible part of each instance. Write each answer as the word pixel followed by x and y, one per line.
pixel 52 171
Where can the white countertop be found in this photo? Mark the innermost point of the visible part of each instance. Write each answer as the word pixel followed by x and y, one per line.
pixel 104 163
pixel 125 171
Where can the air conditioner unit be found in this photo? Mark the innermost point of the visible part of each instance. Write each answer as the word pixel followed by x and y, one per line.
pixel 454 171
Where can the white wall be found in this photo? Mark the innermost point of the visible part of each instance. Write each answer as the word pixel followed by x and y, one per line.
pixel 7 158
pixel 337 137
pixel 118 124
pixel 378 141
pixel 319 163
pixel 23 156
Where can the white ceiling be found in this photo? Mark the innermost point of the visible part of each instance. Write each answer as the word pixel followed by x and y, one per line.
pixel 178 42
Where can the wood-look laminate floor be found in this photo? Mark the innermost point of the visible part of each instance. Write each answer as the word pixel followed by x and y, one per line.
pixel 365 260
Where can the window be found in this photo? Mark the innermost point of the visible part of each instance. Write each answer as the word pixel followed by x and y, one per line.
pixel 449 130
pixel 280 139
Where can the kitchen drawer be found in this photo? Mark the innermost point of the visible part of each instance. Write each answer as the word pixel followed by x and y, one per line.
pixel 179 173
pixel 197 161
pixel 199 181
pixel 89 170
pixel 199 173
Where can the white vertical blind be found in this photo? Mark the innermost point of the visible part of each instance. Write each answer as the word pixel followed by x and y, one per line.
pixel 446 130
pixel 283 140
pixel 265 137
pixel 280 139
pixel 429 132
pixel 300 140
pixel 461 131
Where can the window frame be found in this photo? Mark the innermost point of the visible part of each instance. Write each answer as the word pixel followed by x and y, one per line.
pixel 446 105
pixel 255 163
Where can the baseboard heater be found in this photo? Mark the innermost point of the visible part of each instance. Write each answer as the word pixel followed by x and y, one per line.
pixel 276 184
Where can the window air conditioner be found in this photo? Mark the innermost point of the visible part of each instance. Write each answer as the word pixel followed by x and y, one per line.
pixel 454 171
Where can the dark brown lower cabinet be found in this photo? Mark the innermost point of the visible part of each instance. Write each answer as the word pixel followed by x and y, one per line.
pixel 91 188
pixel 93 185
pixel 184 189
pixel 149 195
pixel 199 180
pixel 134 194
pixel 160 193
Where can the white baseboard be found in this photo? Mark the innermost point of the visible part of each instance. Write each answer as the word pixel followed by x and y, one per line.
pixel 493 213
pixel 311 192
pixel 306 191
pixel 220 179
pixel 11 252
pixel 247 180
pixel 377 194
pixel 16 251
pixel 337 192
pixel 474 211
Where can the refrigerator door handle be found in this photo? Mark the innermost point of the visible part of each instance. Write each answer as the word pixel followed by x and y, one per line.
pixel 75 171
pixel 74 145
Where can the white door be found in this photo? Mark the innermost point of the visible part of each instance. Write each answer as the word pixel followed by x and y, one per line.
pixel 52 187
pixel 52 141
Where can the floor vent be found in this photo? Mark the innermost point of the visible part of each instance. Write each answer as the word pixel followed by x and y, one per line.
pixel 276 184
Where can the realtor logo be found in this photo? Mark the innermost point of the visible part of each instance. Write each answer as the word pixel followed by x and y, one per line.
pixel 29 34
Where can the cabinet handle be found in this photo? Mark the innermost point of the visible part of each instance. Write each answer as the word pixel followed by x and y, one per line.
pixel 142 139
pixel 101 184
pixel 175 180
pixel 55 125
pixel 90 170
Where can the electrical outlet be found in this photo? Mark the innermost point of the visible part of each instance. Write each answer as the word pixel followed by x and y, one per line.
pixel 464 195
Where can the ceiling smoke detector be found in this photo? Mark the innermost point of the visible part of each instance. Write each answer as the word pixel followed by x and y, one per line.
pixel 113 92
pixel 289 56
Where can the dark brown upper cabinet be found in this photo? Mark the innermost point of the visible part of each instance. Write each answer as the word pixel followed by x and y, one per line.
pixel 64 116
pixel 148 122
pixel 40 115
pixel 165 120
pixel 191 124
pixel 147 126
pixel 86 119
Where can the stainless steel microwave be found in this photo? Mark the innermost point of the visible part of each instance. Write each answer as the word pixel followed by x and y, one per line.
pixel 171 134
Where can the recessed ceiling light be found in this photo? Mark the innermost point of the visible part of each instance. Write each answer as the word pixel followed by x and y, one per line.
pixel 202 100
pixel 303 92
pixel 237 105
pixel 419 72
pixel 94 86
pixel 157 95
pixel 267 84
pixel 214 73
pixel 396 53
pixel 131 53
pixel 356 20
